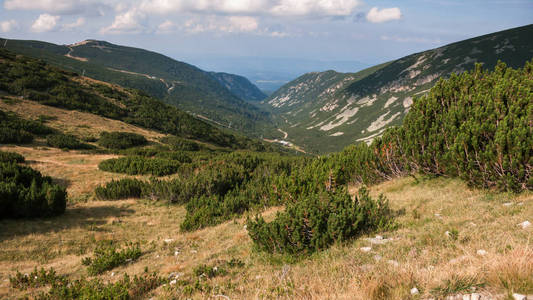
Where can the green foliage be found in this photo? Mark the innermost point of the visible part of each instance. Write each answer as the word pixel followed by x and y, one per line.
pixel 95 289
pixel 6 157
pixel 314 222
pixel 35 279
pixel 134 165
pixel 25 193
pixel 106 257
pixel 180 144
pixel 120 189
pixel 121 140
pixel 64 288
pixel 66 141
pixel 37 81
pixel 15 130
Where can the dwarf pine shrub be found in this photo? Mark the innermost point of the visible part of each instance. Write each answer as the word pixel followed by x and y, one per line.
pixel 25 193
pixel 121 189
pixel 107 257
pixel 121 140
pixel 315 222
pixel 7 157
pixel 135 165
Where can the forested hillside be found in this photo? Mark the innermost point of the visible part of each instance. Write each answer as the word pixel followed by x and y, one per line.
pixel 35 80
pixel 176 83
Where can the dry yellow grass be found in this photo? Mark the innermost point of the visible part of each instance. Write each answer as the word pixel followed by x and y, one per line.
pixel 80 124
pixel 418 253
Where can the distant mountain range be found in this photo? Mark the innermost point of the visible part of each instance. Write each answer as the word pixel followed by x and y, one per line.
pixel 218 98
pixel 239 86
pixel 326 111
pixel 270 73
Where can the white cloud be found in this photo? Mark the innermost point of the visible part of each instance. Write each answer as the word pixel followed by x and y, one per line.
pixel 60 7
pixel 166 27
pixel 253 7
pixel 127 22
pixel 315 8
pixel 44 23
pixel 231 24
pixel 79 22
pixel 7 26
pixel 387 14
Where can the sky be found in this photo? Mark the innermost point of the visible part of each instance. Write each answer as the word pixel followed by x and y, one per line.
pixel 211 33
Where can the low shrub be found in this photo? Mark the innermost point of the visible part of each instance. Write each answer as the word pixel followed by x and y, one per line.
pixel 106 257
pixel 66 141
pixel 11 157
pixel 121 140
pixel 62 288
pixel 176 155
pixel 135 165
pixel 180 144
pixel 120 189
pixel 315 222
pixel 25 193
pixel 35 279
pixel 15 130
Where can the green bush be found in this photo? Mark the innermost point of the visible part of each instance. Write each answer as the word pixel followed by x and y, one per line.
pixel 15 130
pixel 120 189
pixel 106 257
pixel 176 155
pixel 134 165
pixel 62 288
pixel 180 144
pixel 7 157
pixel 315 222
pixel 25 193
pixel 121 140
pixel 35 279
pixel 66 141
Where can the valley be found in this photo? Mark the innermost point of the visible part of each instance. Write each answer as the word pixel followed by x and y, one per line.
pixel 126 174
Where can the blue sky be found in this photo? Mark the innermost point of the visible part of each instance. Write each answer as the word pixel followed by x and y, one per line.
pixel 369 31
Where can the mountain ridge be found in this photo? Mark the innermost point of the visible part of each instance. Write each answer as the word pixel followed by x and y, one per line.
pixel 324 112
pixel 174 82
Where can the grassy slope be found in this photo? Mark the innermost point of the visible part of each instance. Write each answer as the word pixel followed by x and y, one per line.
pixel 426 257
pixel 176 83
pixel 401 79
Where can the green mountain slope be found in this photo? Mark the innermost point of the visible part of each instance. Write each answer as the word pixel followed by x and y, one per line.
pixel 323 112
pixel 177 83
pixel 239 86
pixel 35 80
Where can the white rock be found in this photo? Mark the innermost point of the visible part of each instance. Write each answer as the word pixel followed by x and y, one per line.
pixel 365 249
pixel 437 215
pixel 519 297
pixel 112 274
pixel 447 233
pixel 414 291
pixel 475 296
pixel 393 262
pixel 168 241
pixel 245 227
pixel 215 268
pixel 525 224
pixel 194 251
pixel 377 257
pixel 508 204
pixel 481 252
pixel 379 237
pixel 176 253
pixel 173 282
